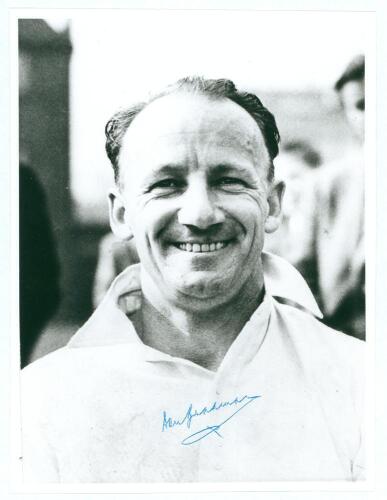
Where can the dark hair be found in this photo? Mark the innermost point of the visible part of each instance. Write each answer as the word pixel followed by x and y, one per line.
pixel 117 126
pixel 308 154
pixel 353 72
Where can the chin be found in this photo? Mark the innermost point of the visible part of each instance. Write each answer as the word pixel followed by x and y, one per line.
pixel 203 286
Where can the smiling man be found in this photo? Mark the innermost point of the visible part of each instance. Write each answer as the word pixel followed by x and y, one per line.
pixel 223 373
pixel 197 203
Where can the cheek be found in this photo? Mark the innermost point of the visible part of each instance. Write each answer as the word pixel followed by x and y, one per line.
pixel 151 217
pixel 250 208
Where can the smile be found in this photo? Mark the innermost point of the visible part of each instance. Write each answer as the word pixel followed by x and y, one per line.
pixel 201 247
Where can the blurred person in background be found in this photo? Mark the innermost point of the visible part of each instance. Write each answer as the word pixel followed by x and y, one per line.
pixel 332 247
pixel 297 161
pixel 114 256
pixel 38 261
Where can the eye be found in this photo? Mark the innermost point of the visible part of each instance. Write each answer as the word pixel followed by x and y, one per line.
pixel 231 182
pixel 169 183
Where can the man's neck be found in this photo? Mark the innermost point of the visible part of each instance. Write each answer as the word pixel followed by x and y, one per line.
pixel 201 337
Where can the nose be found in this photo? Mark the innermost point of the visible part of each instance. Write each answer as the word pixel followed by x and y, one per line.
pixel 198 206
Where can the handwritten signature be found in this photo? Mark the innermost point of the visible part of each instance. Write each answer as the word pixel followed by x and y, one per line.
pixel 169 423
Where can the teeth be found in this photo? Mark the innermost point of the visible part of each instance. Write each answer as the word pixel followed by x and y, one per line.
pixel 202 247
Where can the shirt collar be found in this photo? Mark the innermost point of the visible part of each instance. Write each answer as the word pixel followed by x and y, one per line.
pixel 283 281
pixel 108 325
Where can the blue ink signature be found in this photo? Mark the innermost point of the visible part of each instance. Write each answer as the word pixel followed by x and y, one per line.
pixel 169 423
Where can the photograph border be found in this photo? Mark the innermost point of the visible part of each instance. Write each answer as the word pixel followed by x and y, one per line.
pixel 371 228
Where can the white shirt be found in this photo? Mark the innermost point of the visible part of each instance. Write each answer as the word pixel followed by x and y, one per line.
pixel 285 403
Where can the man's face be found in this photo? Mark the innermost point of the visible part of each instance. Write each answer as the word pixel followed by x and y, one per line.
pixel 352 98
pixel 196 198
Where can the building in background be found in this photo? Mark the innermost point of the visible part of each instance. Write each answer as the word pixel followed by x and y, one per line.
pixel 49 245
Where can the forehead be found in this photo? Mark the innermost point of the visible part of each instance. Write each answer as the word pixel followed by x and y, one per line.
pixel 180 125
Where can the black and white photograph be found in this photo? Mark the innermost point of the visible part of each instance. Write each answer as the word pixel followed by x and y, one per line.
pixel 195 292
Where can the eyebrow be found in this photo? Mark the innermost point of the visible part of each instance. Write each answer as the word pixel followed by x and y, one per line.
pixel 226 168
pixel 168 169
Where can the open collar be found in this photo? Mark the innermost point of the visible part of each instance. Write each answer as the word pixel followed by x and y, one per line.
pixel 283 281
pixel 108 325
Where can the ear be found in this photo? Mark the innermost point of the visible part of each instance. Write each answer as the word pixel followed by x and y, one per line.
pixel 274 201
pixel 117 216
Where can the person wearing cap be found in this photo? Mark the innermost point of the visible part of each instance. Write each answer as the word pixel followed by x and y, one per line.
pixel 221 370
